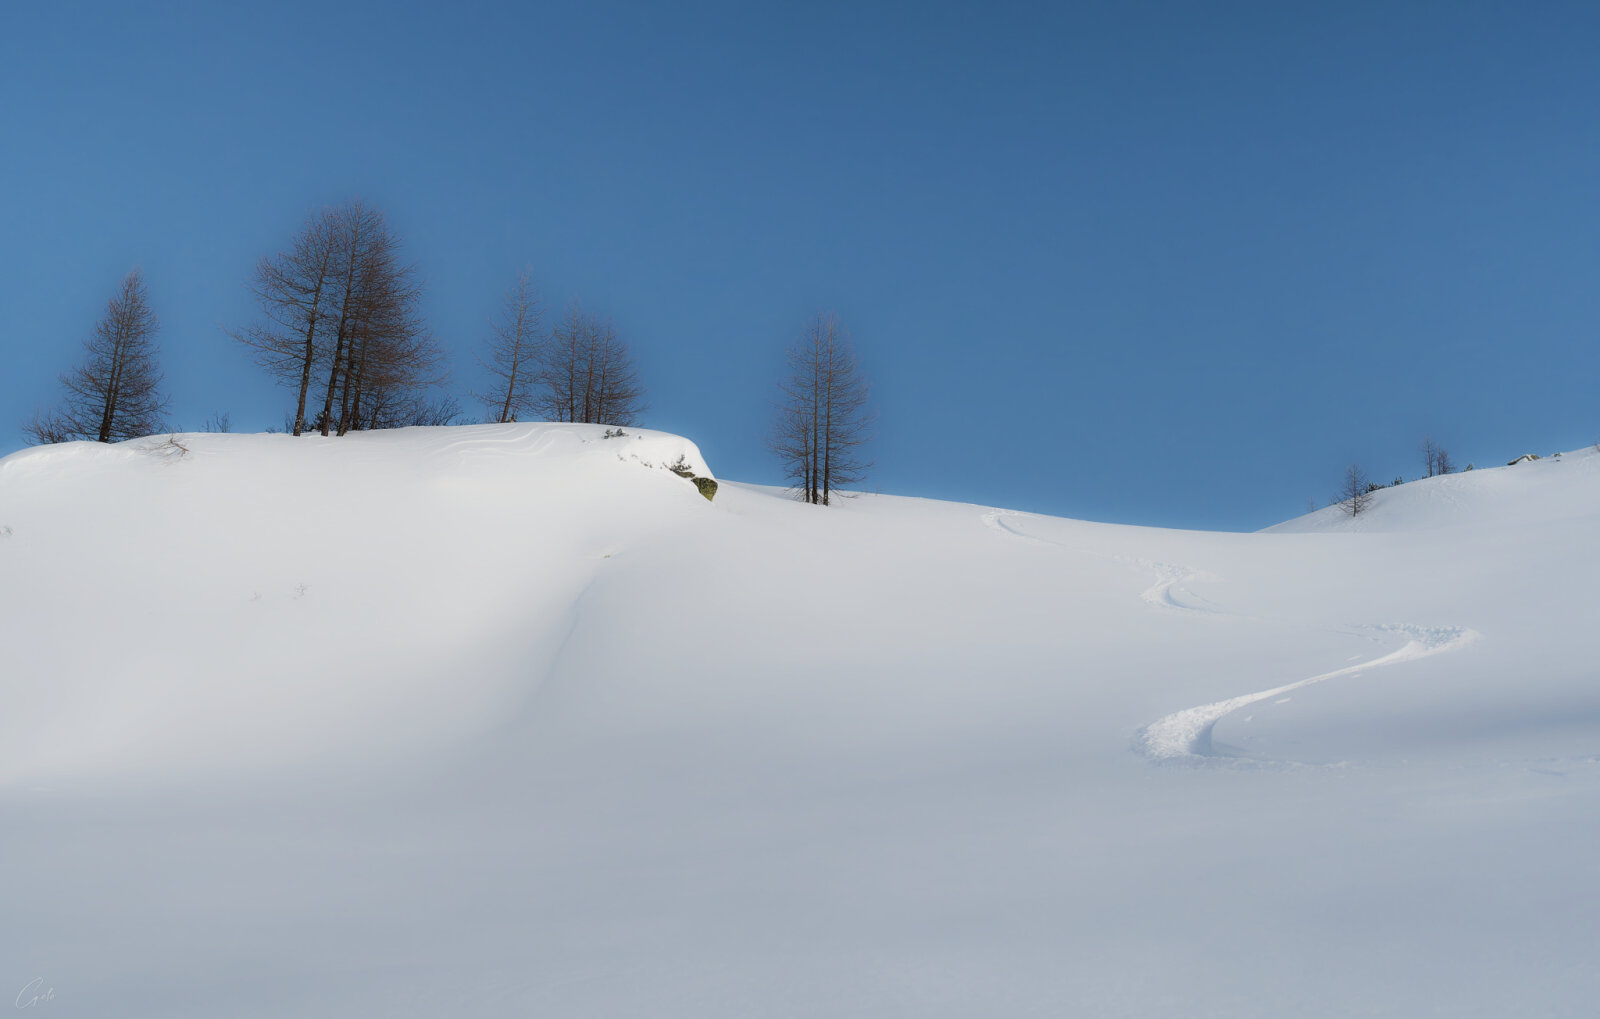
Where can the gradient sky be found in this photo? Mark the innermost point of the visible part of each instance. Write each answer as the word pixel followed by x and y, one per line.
pixel 1161 263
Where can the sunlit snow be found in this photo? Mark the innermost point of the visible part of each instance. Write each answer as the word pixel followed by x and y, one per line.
pixel 509 720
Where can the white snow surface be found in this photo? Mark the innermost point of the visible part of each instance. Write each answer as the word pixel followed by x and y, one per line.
pixel 508 720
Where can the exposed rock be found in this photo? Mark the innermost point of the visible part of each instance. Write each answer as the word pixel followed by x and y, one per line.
pixel 707 486
pixel 1524 458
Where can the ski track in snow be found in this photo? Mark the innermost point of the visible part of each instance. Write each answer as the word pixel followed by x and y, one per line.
pixel 1170 577
pixel 1186 735
pixel 995 520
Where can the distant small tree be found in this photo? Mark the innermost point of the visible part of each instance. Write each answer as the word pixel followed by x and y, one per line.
pixel 1435 457
pixel 822 421
pixel 1356 492
pixel 515 353
pixel 115 393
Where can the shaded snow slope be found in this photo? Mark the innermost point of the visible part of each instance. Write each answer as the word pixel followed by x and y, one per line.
pixel 508 720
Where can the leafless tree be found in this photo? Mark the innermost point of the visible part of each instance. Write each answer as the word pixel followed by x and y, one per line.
pixel 822 421
pixel 115 393
pixel 515 349
pixel 341 306
pixel 1355 495
pixel 295 289
pixel 589 375
pixel 391 361
pixel 1436 458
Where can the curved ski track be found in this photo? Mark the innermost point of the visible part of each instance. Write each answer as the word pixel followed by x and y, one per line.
pixel 1170 577
pixel 1186 735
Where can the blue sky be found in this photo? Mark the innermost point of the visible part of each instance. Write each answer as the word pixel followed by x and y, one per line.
pixel 1173 264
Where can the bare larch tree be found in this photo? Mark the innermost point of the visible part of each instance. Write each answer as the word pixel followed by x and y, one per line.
pixel 1436 457
pixel 295 288
pixel 390 357
pixel 589 375
pixel 1356 492
pixel 340 306
pixel 115 393
pixel 822 420
pixel 515 354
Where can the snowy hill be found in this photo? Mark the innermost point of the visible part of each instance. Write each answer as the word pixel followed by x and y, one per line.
pixel 509 720
pixel 1554 489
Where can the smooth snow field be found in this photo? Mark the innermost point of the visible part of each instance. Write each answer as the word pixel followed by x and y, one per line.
pixel 508 720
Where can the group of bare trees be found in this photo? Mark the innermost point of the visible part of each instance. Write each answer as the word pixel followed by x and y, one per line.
pixel 582 371
pixel 1356 490
pixel 341 328
pixel 822 420
pixel 1436 457
pixel 589 375
pixel 341 315
pixel 115 392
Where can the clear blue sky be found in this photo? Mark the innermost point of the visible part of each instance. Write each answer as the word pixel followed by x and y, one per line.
pixel 1175 263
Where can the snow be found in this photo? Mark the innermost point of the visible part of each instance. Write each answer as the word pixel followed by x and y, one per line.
pixel 509 720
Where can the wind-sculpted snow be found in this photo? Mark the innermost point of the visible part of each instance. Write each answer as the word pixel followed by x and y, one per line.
pixel 1186 735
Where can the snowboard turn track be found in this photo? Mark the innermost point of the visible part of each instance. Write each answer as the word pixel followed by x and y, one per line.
pixel 1186 735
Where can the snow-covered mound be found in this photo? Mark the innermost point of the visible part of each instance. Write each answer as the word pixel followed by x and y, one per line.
pixel 509 720
pixel 209 604
pixel 1532 492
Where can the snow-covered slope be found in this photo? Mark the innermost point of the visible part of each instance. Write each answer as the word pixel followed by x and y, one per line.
pixel 263 602
pixel 508 720
pixel 1552 490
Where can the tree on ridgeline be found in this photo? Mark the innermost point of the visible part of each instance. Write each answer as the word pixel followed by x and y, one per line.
pixel 822 420
pixel 295 288
pixel 515 354
pixel 392 359
pixel 589 375
pixel 342 309
pixel 1436 458
pixel 1355 495
pixel 115 393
